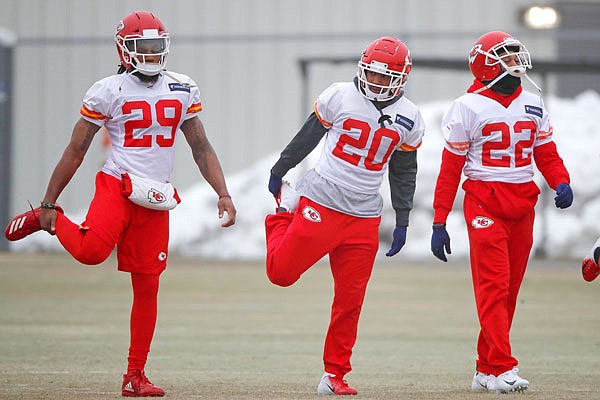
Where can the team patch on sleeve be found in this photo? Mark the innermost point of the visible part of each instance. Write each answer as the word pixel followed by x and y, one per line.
pixel 86 112
pixel 182 87
pixel 537 111
pixel 405 122
pixel 194 108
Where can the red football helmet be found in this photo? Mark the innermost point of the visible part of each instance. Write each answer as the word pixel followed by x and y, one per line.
pixel 486 56
pixel 387 56
pixel 142 43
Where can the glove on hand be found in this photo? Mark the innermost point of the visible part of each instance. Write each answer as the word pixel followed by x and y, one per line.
pixel 440 240
pixel 275 185
pixel 564 196
pixel 398 241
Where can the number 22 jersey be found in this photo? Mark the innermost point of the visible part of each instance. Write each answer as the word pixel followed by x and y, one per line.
pixel 498 141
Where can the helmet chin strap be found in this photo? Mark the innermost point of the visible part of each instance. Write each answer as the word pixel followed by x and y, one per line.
pixel 502 75
pixel 533 83
pixel 492 83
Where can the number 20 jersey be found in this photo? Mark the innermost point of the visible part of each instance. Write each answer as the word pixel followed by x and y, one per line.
pixel 141 120
pixel 357 149
pixel 497 141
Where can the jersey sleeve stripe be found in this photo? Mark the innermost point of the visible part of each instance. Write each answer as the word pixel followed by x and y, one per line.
pixel 194 108
pixel 545 134
pixel 325 123
pixel 407 147
pixel 86 112
pixel 459 146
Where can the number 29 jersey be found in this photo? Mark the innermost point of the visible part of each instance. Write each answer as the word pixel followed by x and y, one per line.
pixel 141 120
pixel 357 149
pixel 497 141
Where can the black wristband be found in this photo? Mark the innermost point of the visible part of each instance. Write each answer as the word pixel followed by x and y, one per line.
pixel 49 206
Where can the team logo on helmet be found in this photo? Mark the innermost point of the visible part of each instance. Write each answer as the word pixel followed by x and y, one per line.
pixel 482 222
pixel 311 214
pixel 120 26
pixel 474 51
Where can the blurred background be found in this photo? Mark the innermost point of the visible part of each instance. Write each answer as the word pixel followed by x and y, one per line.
pixel 259 65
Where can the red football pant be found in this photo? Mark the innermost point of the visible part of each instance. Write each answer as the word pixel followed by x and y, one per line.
pixel 295 243
pixel 499 254
pixel 143 318
pixel 141 236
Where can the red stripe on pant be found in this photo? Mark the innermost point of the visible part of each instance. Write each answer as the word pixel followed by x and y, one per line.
pixel 499 255
pixel 295 243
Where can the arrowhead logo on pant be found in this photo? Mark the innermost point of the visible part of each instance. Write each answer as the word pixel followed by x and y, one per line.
pixel 156 197
pixel 482 222
pixel 311 214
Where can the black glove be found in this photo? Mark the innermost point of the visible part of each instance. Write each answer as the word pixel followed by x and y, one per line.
pixel 399 239
pixel 564 196
pixel 275 185
pixel 440 240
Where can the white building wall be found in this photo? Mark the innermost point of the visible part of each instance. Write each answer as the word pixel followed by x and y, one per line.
pixel 243 55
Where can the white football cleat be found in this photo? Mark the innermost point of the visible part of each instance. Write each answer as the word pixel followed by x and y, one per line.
pixel 331 384
pixel 508 382
pixel 288 197
pixel 481 381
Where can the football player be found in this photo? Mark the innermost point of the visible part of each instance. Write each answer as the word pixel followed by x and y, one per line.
pixel 142 107
pixel 493 134
pixel 368 125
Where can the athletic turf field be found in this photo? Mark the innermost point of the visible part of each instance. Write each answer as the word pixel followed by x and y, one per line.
pixel 224 332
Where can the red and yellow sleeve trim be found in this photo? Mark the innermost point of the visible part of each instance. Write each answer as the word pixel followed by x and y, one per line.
pixel 325 123
pixel 86 112
pixel 545 134
pixel 459 146
pixel 194 108
pixel 407 147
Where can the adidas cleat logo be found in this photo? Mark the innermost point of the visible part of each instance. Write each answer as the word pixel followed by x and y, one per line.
pixel 17 224
pixel 128 387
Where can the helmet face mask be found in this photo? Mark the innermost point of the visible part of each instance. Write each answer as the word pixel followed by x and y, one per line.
pixel 389 57
pixel 142 43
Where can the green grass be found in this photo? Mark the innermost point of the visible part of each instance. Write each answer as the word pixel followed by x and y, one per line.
pixel 224 332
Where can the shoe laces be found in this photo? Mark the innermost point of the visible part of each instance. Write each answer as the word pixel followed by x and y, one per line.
pixel 32 209
pixel 339 380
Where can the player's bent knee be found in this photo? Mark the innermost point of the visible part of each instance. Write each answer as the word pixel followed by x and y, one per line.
pixel 91 258
pixel 280 279
pixel 92 252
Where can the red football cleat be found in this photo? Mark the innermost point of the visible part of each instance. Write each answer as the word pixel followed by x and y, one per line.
pixel 589 266
pixel 589 269
pixel 333 385
pixel 135 384
pixel 25 224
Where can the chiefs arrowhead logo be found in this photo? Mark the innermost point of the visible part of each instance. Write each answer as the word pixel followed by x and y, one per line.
pixel 482 222
pixel 311 214
pixel 156 197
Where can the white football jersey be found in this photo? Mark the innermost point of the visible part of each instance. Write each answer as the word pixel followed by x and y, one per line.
pixel 497 141
pixel 142 121
pixel 357 149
